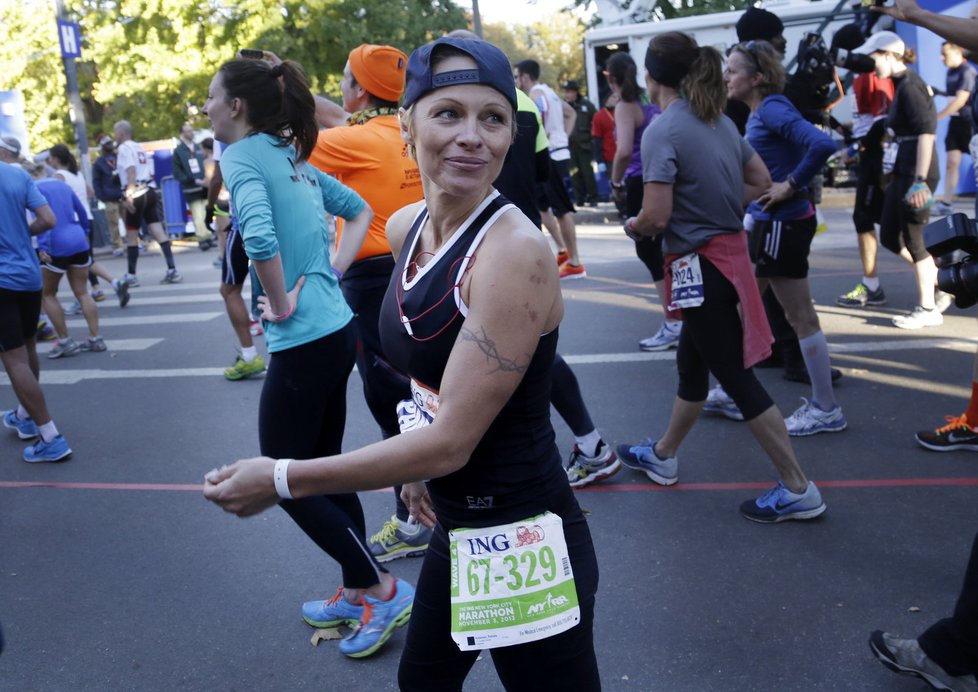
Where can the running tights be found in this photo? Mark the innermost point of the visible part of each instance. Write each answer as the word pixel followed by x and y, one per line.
pixel 712 341
pixel 302 415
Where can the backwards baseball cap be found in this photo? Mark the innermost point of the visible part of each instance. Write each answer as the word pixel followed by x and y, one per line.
pixel 758 25
pixel 884 41
pixel 379 70
pixel 492 70
pixel 11 144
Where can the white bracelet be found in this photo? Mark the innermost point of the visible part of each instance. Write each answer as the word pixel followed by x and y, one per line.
pixel 282 478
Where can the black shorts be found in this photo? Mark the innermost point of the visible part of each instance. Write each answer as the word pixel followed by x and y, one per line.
pixel 958 134
pixel 553 194
pixel 234 265
pixel 19 311
pixel 146 210
pixel 60 265
pixel 779 249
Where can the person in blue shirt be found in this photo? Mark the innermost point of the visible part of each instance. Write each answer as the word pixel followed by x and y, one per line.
pixel 65 250
pixel 783 217
pixel 20 306
pixel 266 115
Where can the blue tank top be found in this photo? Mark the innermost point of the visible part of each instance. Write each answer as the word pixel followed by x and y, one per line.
pixel 515 469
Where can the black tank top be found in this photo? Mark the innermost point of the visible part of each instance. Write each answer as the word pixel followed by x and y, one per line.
pixel 515 469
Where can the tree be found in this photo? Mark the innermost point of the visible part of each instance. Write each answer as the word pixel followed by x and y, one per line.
pixel 150 61
pixel 557 44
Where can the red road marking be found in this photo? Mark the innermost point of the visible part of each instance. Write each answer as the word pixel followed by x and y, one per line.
pixel 619 487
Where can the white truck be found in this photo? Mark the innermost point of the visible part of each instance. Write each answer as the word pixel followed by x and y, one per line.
pixel 618 31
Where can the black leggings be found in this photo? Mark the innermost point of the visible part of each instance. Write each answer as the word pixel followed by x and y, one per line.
pixel 302 415
pixel 565 395
pixel 648 249
pixel 900 226
pixel 712 341
pixel 432 662
pixel 953 642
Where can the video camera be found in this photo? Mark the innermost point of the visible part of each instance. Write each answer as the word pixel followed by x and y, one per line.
pixel 854 62
pixel 953 242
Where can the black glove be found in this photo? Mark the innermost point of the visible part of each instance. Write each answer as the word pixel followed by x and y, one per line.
pixel 209 217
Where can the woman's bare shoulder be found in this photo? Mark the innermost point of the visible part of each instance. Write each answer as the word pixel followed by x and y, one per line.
pixel 399 224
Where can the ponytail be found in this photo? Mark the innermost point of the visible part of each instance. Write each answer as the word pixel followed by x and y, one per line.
pixel 703 85
pixel 621 67
pixel 674 60
pixel 279 102
pixel 63 154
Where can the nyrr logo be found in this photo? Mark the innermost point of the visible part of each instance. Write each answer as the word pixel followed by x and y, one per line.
pixel 549 603
pixel 488 544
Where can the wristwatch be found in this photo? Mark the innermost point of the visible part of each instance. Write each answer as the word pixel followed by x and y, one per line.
pixel 618 186
pixel 919 179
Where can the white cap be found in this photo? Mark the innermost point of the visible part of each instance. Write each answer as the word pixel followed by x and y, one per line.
pixel 885 41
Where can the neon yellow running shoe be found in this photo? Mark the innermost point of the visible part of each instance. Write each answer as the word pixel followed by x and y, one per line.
pixel 243 368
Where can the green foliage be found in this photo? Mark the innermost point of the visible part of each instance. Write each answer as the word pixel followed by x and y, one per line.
pixel 557 44
pixel 151 61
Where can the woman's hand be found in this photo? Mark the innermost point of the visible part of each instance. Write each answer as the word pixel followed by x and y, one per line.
pixel 44 257
pixel 245 488
pixel 776 194
pixel 917 196
pixel 292 298
pixel 415 496
pixel 618 194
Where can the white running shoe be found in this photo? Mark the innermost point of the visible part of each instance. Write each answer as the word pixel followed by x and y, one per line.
pixel 809 419
pixel 919 318
pixel 667 337
pixel 718 401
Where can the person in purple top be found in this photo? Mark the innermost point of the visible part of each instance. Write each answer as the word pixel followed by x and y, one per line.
pixel 65 250
pixel 782 220
pixel 632 115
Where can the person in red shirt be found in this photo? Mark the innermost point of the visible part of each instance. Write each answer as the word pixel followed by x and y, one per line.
pixel 603 133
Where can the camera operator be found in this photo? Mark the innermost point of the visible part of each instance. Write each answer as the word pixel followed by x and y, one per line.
pixel 946 654
pixel 873 99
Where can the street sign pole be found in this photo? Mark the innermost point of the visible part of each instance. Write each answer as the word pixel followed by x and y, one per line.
pixel 69 37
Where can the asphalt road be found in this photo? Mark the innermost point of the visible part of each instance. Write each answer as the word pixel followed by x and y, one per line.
pixel 115 574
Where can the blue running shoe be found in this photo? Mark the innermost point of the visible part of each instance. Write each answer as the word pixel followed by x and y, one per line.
pixel 332 612
pixel 55 450
pixel 25 427
pixel 642 457
pixel 780 504
pixel 379 620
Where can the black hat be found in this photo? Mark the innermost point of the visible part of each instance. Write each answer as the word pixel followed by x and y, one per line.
pixel 758 25
pixel 849 37
pixel 492 70
pixel 572 84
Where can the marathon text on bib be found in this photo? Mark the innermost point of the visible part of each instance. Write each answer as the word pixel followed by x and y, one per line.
pixel 511 584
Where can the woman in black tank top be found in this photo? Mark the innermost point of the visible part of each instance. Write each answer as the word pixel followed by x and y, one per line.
pixel 471 316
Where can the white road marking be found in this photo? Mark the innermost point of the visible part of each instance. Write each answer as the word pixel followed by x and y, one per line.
pixel 151 319
pixel 75 376
pixel 113 344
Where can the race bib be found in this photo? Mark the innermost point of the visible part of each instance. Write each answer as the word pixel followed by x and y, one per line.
pixel 194 166
pixel 511 584
pixel 687 282
pixel 418 411
pixel 890 150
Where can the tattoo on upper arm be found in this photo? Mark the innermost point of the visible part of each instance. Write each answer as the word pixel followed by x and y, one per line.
pixel 488 348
